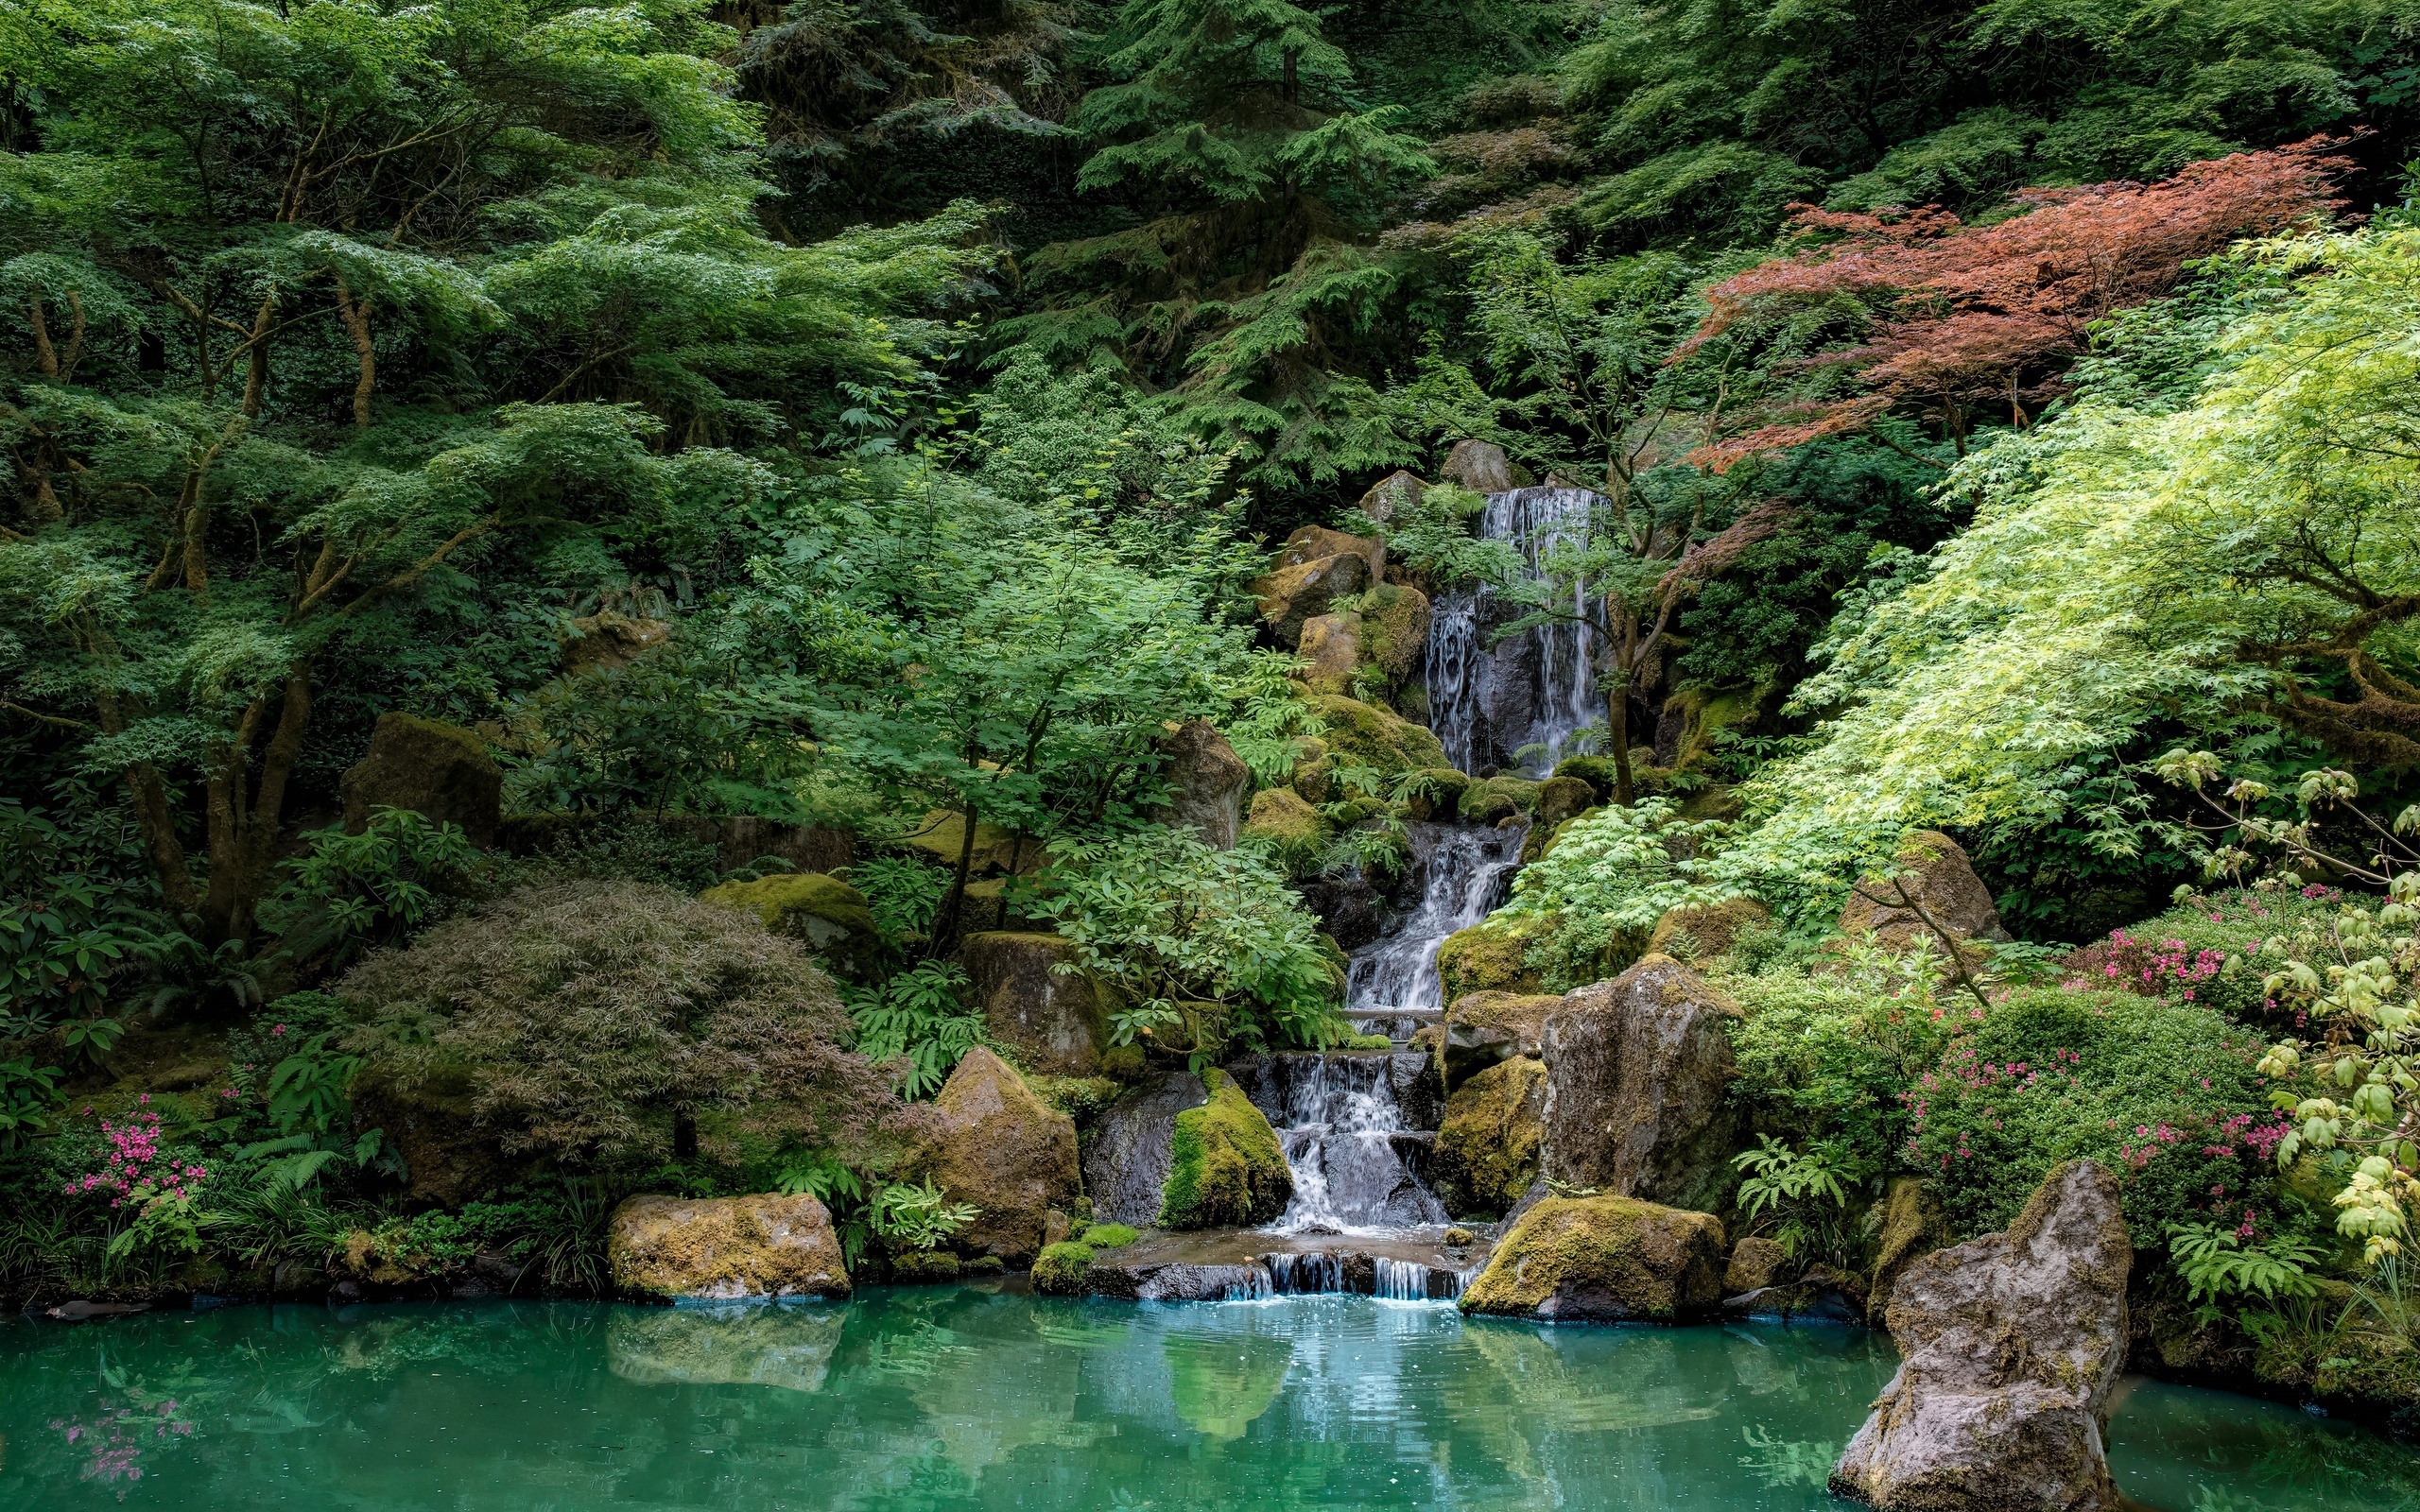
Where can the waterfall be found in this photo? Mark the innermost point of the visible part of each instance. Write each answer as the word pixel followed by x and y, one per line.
pixel 1537 689
pixel 1341 1121
pixel 1316 1273
pixel 1462 873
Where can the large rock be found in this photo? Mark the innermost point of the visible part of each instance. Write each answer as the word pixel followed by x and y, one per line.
pixel 1491 956
pixel 1363 734
pixel 1636 1071
pixel 432 1123
pixel 439 771
pixel 940 834
pixel 1330 649
pixel 1283 819
pixel 989 1141
pixel 1913 1227
pixel 2011 1346
pixel 1226 1168
pixel 1479 465
pixel 1940 881
pixel 1125 1166
pixel 1602 1259
pixel 609 642
pixel 1292 595
pixel 725 1248
pixel 1318 542
pixel 1482 1028
pixel 1710 928
pixel 1487 1148
pixel 1557 802
pixel 1755 1264
pixel 1396 493
pixel 825 914
pixel 1056 1020
pixel 1208 785
pixel 1393 634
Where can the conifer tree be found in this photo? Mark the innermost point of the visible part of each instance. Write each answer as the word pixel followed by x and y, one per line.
pixel 1255 176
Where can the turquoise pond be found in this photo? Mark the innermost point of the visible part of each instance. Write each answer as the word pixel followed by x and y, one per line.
pixel 966 1397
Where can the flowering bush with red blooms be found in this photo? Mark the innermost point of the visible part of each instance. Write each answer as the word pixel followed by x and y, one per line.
pixel 1975 320
pixel 2163 1094
pixel 2213 950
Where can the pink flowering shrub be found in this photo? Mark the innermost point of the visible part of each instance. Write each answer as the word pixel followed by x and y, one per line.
pixel 2182 954
pixel 137 1169
pixel 2164 1093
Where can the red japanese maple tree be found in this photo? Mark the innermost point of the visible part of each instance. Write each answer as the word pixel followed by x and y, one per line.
pixel 1971 318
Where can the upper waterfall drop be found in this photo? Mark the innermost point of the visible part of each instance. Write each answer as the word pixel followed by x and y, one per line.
pixel 1538 688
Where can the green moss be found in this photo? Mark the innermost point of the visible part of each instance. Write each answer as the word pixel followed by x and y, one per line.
pixel 1498 799
pixel 1082 1098
pixel 1364 1041
pixel 1361 735
pixel 1225 1166
pixel 1287 827
pixel 1491 957
pixel 923 1266
pixel 1059 1270
pixel 827 914
pixel 1125 1063
pixel 1108 1236
pixel 1615 1257
pixel 468 743
pixel 1487 1149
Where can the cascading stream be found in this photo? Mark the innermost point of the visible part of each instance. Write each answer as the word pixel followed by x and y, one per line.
pixel 1341 1124
pixel 1478 712
pixel 1462 873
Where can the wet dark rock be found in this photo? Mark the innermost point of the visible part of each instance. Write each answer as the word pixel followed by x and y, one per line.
pixel 1636 1073
pixel 1127 1163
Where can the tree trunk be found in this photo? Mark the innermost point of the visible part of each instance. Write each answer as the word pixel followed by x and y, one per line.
pixel 945 928
pixel 243 825
pixel 1618 730
pixel 355 316
pixel 256 357
pixel 684 1135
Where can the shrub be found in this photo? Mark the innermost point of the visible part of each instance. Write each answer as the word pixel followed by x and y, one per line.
pixel 616 1020
pixel 1168 919
pixel 2212 949
pixel 2163 1095
pixel 1824 1060
pixel 1059 1270
pixel 1611 875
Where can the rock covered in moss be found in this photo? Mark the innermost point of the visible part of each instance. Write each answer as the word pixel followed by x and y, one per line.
pixel 1363 734
pixel 1479 465
pixel 1498 799
pixel 1755 1263
pixel 1709 928
pixel 1602 1259
pixel 940 834
pixel 825 914
pixel 439 771
pixel 1398 492
pixel 924 1267
pixel 725 1248
pixel 1059 1270
pixel 1125 1165
pixel 1438 795
pixel 1330 649
pixel 1913 1226
pixel 1487 1148
pixel 2010 1346
pixel 990 1142
pixel 1482 1028
pixel 1638 1073
pixel 1492 956
pixel 1225 1165
pixel 1036 998
pixel 1940 881
pixel 1208 785
pixel 1287 825
pixel 607 642
pixel 1316 568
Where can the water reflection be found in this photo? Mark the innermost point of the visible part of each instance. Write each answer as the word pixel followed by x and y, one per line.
pixel 967 1399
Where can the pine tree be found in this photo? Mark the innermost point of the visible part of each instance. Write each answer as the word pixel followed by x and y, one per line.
pixel 1255 175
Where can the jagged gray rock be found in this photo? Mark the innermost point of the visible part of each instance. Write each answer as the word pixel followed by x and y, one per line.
pixel 2011 1346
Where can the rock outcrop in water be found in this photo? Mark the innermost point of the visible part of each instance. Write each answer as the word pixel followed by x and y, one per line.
pixel 725 1248
pixel 990 1142
pixel 2011 1347
pixel 1636 1073
pixel 1602 1259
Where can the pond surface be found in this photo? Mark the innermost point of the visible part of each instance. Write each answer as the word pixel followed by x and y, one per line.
pixel 963 1397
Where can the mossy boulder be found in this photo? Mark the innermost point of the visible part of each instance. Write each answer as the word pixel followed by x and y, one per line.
pixel 1128 1156
pixel 1299 589
pixel 1363 734
pixel 1287 825
pixel 725 1248
pixel 989 1141
pixel 1491 957
pixel 1393 633
pixel 1330 649
pixel 1498 799
pixel 1037 999
pixel 1913 1226
pixel 1487 1148
pixel 1207 783
pixel 1602 1259
pixel 1226 1168
pixel 825 914
pixel 1939 879
pixel 1756 1262
pixel 1692 717
pixel 1398 492
pixel 1059 1270
pixel 1638 1087
pixel 1704 930
pixel 1483 1028
pixel 450 1154
pixel 1439 797
pixel 998 852
pixel 439 771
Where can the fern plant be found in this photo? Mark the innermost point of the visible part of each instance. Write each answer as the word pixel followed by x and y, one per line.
pixel 1803 1195
pixel 2219 1264
pixel 917 1018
